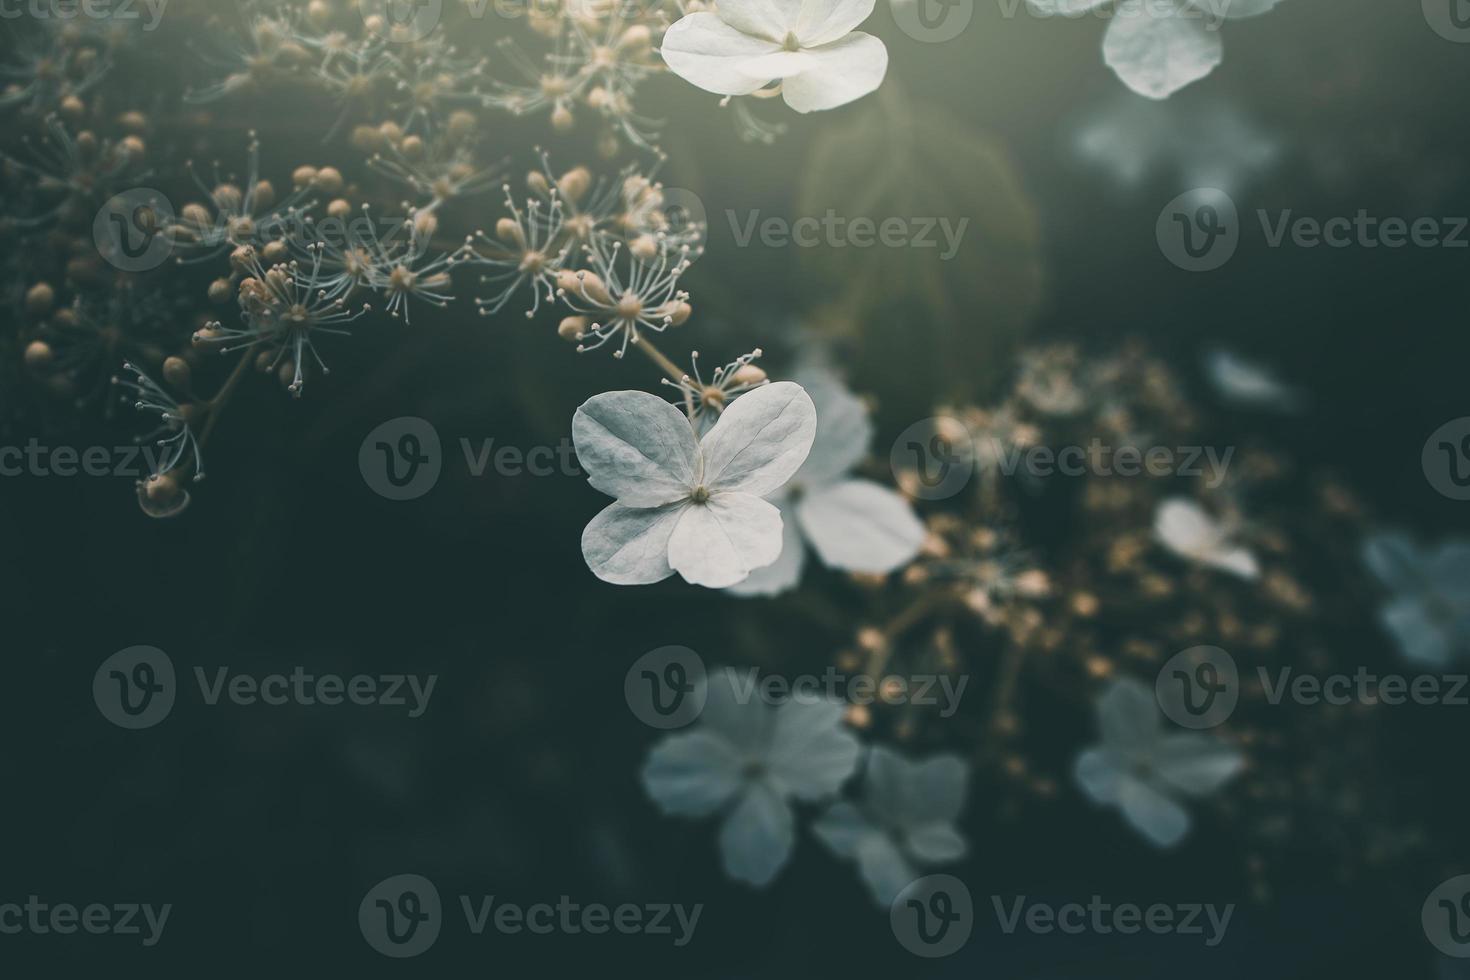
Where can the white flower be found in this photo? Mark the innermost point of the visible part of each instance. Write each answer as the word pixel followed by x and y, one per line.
pixel 748 760
pixel 1140 768
pixel 906 820
pixel 1429 615
pixel 810 45
pixel 1249 385
pixel 685 505
pixel 1185 529
pixel 855 525
pixel 1159 46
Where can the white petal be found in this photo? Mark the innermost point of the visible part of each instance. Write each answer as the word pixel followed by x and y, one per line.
pixel 636 447
pixel 843 828
pixel 837 73
pixel 1184 527
pixel 1235 9
pixel 784 573
pixel 1194 763
pixel 760 441
pixel 692 774
pixel 1395 559
pixel 719 543
pixel 767 19
pixel 1157 50
pixel 844 430
pixel 705 51
pixel 1421 637
pixel 884 869
pixel 732 709
pixel 1128 716
pixel 1100 773
pixel 936 843
pixel 907 794
pixel 812 752
pixel 859 526
pixel 757 837
pixel 1237 561
pixel 630 546
pixel 1248 384
pixel 824 21
pixel 1157 817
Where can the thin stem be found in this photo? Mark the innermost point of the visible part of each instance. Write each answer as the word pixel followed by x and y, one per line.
pixel 657 357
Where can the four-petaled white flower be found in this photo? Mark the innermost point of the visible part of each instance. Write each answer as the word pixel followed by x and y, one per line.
pixel 1185 529
pixel 1429 614
pixel 686 505
pixel 1159 46
pixel 1140 767
pixel 748 760
pixel 855 525
pixel 905 823
pixel 810 45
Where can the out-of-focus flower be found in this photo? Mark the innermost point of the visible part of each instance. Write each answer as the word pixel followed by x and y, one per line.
pixel 1185 529
pixel 854 524
pixel 1156 47
pixel 906 821
pixel 1141 768
pixel 812 47
pixel 748 760
pixel 1429 614
pixel 1194 141
pixel 1249 385
pixel 683 504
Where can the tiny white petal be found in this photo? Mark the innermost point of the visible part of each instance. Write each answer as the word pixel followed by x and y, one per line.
pixel 860 526
pixel 1100 773
pixel 760 441
pixel 1153 814
pixel 842 827
pixel 630 546
pixel 837 73
pixel 812 752
pixel 1157 50
pixel 936 843
pixel 692 774
pixel 824 21
pixel 844 429
pixel 757 837
pixel 705 51
pixel 784 573
pixel 636 447
pixel 719 543
pixel 1128 715
pixel 1196 764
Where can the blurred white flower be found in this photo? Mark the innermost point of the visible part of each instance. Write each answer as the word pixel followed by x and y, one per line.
pixel 905 823
pixel 810 45
pixel 1429 614
pixel 686 505
pixel 854 524
pixel 747 760
pixel 1249 385
pixel 1159 46
pixel 1140 768
pixel 1195 140
pixel 1185 529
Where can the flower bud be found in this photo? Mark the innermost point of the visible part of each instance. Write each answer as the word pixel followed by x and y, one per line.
pixel 265 195
pixel 536 181
pixel 38 355
pixel 748 374
pixel 176 371
pixel 219 292
pixel 562 120
pixel 340 208
pixel 40 298
pixel 637 38
pixel 412 147
pixel 274 251
pixel 644 247
pixel 573 328
pixel 304 176
pixel 574 184
pixel 462 124
pixel 329 180
pixel 509 231
pixel 228 197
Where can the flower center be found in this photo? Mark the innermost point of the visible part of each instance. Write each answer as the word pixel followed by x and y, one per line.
pixel 791 43
pixel 700 495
